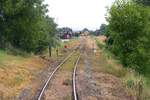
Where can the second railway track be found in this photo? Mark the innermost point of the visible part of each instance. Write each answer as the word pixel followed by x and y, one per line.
pixel 75 63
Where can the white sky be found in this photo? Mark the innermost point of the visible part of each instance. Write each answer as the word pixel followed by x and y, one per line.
pixel 78 14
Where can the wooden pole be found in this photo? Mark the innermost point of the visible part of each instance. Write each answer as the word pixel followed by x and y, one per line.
pixel 50 51
pixel 57 52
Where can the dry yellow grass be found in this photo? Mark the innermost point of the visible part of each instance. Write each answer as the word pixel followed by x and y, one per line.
pixel 101 38
pixel 16 72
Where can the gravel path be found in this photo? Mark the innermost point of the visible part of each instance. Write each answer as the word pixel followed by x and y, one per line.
pixel 95 85
pixel 86 84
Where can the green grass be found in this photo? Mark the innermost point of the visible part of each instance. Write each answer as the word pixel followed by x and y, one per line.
pixel 69 64
pixel 116 72
pixel 100 45
pixel 67 97
pixel 5 57
pixel 2 54
pixel 18 79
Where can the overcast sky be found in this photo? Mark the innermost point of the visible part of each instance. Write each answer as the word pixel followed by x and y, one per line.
pixel 78 14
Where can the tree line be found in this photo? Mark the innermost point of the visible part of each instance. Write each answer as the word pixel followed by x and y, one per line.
pixel 25 25
pixel 129 33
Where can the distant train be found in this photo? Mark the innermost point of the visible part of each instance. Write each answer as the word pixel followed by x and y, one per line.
pixel 66 36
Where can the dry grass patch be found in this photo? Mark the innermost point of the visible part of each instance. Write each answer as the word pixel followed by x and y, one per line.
pixel 16 72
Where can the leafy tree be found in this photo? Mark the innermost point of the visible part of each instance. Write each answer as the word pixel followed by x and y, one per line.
pixel 96 32
pixel 49 28
pixel 129 29
pixel 24 25
pixel 103 29
pixel 144 2
pixel 85 30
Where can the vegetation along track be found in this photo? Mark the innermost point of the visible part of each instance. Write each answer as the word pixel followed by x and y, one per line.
pixel 76 51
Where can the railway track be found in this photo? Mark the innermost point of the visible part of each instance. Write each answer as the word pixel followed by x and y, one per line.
pixel 74 95
pixel 74 79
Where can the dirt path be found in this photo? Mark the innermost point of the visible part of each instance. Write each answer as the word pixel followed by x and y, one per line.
pixel 93 82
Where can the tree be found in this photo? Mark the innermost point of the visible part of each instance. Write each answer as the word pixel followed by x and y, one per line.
pixel 103 29
pixel 129 29
pixel 49 39
pixel 24 25
pixel 85 30
pixel 144 2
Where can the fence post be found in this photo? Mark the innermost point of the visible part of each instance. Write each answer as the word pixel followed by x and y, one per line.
pixel 140 91
pixel 57 52
pixel 50 51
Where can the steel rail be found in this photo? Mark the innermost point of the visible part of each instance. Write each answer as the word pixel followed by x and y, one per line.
pixel 74 79
pixel 51 75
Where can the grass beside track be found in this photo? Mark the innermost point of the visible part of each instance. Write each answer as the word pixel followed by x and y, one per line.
pixel 69 64
pixel 129 77
pixel 16 71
